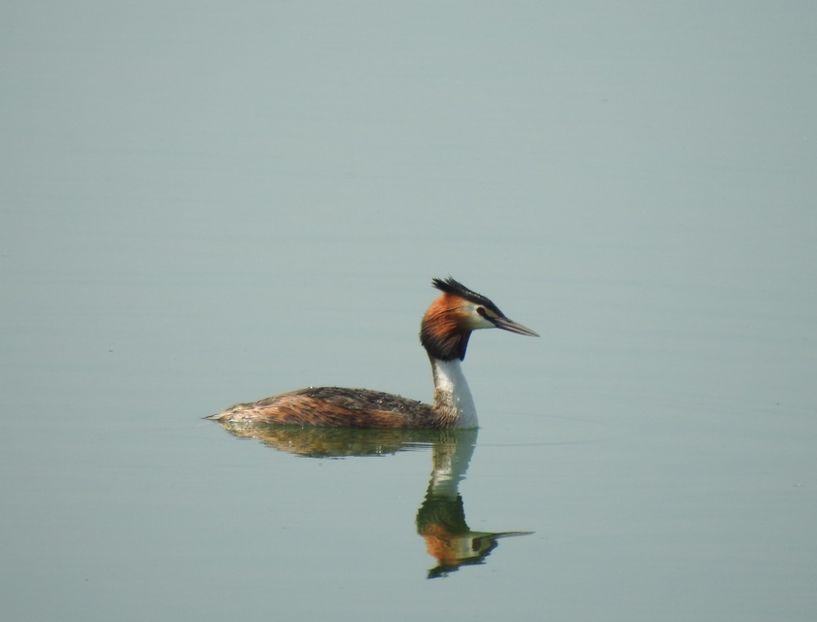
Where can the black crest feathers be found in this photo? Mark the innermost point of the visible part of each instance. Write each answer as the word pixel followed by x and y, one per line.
pixel 452 286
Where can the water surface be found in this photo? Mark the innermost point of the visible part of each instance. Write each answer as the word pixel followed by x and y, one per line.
pixel 212 204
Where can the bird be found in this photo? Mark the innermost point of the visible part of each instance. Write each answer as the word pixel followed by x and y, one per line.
pixel 444 333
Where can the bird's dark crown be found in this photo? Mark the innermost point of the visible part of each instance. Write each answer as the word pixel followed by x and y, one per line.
pixel 454 287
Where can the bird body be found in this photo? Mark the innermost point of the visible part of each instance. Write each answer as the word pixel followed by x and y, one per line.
pixel 444 333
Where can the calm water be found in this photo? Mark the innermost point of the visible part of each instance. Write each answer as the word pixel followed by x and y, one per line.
pixel 213 203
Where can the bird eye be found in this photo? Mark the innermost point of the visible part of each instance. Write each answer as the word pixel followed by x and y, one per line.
pixel 481 311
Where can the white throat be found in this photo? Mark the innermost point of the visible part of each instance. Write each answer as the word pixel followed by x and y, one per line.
pixel 452 397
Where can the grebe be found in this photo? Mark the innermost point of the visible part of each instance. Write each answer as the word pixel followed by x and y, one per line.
pixel 444 333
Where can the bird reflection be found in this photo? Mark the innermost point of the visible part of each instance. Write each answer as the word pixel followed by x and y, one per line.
pixel 441 516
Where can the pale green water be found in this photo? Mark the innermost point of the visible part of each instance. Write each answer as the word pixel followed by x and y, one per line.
pixel 209 203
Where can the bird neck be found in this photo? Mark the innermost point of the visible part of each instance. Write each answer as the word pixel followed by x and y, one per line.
pixel 453 404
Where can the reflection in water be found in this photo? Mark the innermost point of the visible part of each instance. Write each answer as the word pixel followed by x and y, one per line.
pixel 441 517
pixel 317 442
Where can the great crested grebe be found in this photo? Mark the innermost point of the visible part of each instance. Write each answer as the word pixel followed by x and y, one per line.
pixel 444 333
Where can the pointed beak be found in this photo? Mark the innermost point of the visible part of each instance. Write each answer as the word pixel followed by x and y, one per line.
pixel 506 324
